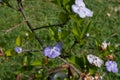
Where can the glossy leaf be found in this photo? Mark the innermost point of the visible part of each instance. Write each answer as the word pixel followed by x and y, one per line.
pixel 36 63
pixel 8 53
pixel 18 41
pixel 25 60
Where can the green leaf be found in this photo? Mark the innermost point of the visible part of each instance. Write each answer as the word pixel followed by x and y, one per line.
pixel 65 2
pixel 96 43
pixel 52 34
pixel 118 74
pixel 67 5
pixel 68 8
pixel 73 17
pixel 18 41
pixel 36 63
pixel 76 31
pixel 63 16
pixel 8 53
pixel 84 30
pixel 65 33
pixel 76 18
pixel 60 35
pixel 92 70
pixel 84 59
pixel 25 60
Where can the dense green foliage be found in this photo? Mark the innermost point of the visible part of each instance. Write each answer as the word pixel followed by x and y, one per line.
pixel 103 26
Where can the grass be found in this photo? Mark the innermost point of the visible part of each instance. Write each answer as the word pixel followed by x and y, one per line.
pixel 40 13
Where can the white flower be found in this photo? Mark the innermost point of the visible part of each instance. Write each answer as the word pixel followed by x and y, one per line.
pixel 87 34
pixel 80 9
pixel 27 34
pixel 95 60
pixel 104 45
pixel 111 66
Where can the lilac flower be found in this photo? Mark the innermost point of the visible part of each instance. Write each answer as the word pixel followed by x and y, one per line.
pixel 18 49
pixel 53 52
pixel 80 9
pixel 111 66
pixel 58 46
pixel 47 51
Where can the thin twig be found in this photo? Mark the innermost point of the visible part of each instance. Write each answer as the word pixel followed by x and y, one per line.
pixel 14 27
pixel 54 25
pixel 28 24
pixel 32 50
pixel 113 35
pixel 10 6
pixel 59 68
pixel 72 66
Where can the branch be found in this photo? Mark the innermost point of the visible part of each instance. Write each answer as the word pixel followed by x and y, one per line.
pixel 59 68
pixel 60 25
pixel 72 66
pixel 14 27
pixel 28 23
pixel 10 6
pixel 32 50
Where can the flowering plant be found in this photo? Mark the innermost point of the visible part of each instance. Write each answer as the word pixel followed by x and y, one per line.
pixel 111 66
pixel 57 51
pixel 80 9
pixel 53 52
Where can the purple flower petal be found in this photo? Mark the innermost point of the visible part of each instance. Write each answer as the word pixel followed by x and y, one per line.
pixel 114 67
pixel 111 66
pixel 115 70
pixel 53 52
pixel 47 51
pixel 80 9
pixel 108 63
pixel 18 49
pixel 75 9
pixel 109 69
pixel 88 12
pixel 58 46
pixel 80 3
pixel 82 12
